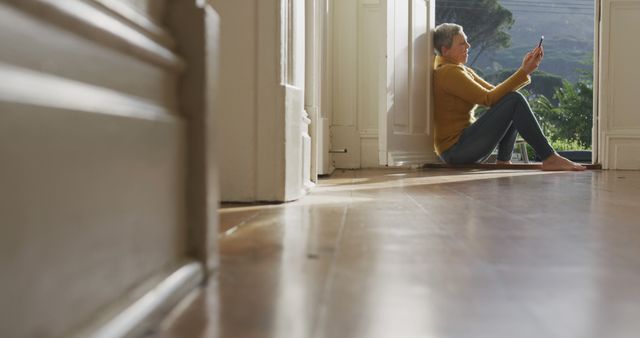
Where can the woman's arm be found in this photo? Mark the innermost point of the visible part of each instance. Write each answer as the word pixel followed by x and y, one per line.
pixel 466 84
pixel 480 80
pixel 462 84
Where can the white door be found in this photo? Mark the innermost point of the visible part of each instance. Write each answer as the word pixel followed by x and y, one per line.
pixel 619 125
pixel 405 133
pixel 266 149
pixel 357 57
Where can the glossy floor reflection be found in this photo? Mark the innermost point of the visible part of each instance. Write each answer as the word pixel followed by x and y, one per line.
pixel 411 253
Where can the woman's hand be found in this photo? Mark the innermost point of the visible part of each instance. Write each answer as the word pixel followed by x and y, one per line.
pixel 532 60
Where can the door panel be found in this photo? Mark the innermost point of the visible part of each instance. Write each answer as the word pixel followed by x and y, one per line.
pixel 358 59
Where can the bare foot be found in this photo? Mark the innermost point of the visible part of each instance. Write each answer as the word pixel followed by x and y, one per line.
pixel 556 162
pixel 503 162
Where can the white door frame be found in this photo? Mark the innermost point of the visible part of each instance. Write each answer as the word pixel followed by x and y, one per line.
pixel 595 131
pixel 313 80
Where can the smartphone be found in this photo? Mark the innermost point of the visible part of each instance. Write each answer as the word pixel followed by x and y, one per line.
pixel 541 39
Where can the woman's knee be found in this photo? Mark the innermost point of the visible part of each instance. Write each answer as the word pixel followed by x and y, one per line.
pixel 520 103
pixel 509 103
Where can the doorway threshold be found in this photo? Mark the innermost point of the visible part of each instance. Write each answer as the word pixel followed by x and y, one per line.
pixel 494 166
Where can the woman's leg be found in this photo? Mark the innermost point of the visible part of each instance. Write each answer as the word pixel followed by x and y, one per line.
pixel 506 144
pixel 497 125
pixel 527 125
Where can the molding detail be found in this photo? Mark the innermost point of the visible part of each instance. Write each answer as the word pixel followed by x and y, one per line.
pixel 622 152
pixel 137 19
pixel 408 158
pixel 146 311
pixel 25 86
pixel 89 21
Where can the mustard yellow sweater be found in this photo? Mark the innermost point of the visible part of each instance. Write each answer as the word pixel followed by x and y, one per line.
pixel 457 91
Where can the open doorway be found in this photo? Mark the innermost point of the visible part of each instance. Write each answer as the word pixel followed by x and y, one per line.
pixel 562 90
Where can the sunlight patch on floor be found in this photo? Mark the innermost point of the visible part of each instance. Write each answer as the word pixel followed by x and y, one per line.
pixel 306 200
pixel 430 180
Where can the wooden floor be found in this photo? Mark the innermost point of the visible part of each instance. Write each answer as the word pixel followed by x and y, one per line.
pixel 429 253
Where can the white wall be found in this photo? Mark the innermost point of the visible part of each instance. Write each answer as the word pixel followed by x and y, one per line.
pixel 619 125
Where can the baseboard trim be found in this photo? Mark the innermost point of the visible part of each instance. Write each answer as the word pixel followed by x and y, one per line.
pixel 409 159
pixel 492 166
pixel 147 311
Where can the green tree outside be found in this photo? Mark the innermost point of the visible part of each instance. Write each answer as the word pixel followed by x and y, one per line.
pixel 483 33
pixel 571 119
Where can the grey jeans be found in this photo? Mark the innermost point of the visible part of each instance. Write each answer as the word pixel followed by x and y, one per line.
pixel 499 127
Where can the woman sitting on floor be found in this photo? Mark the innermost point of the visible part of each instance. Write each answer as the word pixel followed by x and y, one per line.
pixel 458 89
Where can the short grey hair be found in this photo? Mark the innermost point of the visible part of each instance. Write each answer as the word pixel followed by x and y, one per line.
pixel 443 36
